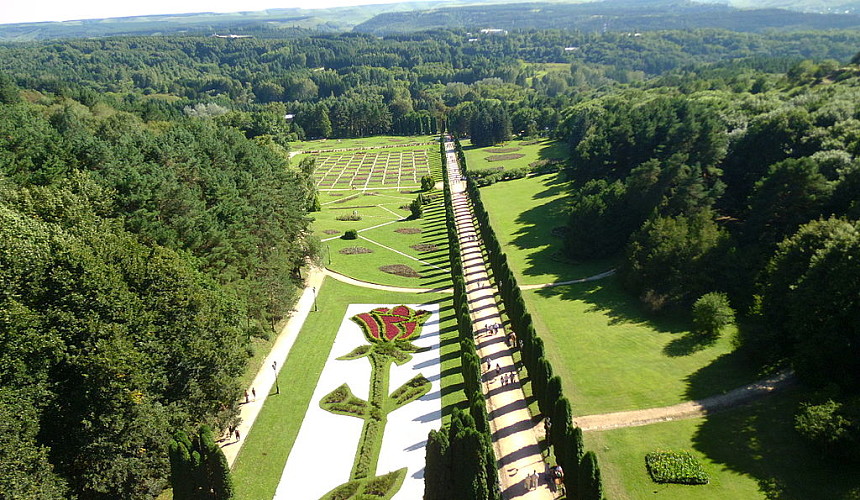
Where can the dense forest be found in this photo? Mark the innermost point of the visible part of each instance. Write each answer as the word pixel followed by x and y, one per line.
pixel 747 185
pixel 153 224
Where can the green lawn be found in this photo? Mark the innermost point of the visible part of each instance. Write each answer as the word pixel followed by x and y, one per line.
pixel 259 465
pixel 750 452
pixel 611 355
pixel 523 213
pixel 387 246
pixel 532 151
pixel 362 142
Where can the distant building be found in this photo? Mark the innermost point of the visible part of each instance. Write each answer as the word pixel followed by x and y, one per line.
pixel 231 36
pixel 494 31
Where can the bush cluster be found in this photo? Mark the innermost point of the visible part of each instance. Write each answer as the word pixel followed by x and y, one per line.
pixel 678 467
pixel 350 234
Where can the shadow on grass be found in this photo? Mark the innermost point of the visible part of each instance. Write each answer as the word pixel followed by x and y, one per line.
pixel 606 296
pixel 689 343
pixel 759 440
pixel 534 235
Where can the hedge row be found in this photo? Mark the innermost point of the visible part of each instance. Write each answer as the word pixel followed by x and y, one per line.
pixel 582 472
pixel 460 459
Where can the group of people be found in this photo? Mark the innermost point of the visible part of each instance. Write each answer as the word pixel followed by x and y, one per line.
pixel 532 480
pixel 493 328
pixel 555 476
pixel 508 378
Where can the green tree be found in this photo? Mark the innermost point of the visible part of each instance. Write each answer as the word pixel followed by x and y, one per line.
pixel 712 313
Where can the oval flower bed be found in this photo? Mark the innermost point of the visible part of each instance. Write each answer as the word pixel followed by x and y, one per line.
pixel 679 467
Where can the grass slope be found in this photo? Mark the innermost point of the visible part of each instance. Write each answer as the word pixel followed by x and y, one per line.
pixel 259 465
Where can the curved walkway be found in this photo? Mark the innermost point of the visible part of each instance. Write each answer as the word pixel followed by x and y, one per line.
pixel 690 409
pixel 376 286
pixel 596 277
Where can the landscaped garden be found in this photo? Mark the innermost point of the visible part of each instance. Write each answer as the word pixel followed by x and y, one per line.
pixel 361 142
pixel 513 154
pixel 261 462
pixel 390 246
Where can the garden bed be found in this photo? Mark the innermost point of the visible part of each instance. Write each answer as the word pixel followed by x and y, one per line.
pixel 400 270
pixel 506 157
pixel 354 250
pixel 679 467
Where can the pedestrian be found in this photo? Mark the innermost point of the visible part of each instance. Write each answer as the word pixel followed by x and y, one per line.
pixel 488 365
pixel 254 393
pixel 521 344
pixel 238 436
pixel 231 430
pixel 246 396
pixel 547 424
pixel 498 369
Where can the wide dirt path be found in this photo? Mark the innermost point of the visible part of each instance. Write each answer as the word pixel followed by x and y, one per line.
pixel 690 409
pixel 514 431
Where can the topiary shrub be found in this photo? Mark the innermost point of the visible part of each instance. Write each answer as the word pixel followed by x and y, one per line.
pixel 350 234
pixel 427 183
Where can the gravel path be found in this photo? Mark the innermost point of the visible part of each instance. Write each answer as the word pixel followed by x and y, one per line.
pixel 690 409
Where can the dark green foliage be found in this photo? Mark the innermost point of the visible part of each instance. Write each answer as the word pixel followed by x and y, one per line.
pixel 198 468
pixel 349 234
pixel 590 482
pixel 416 208
pixel 809 302
pixel 437 470
pixel 832 426
pixel 673 258
pixel 428 182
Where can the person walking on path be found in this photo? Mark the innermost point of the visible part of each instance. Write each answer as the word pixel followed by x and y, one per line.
pixel 254 393
pixel 238 436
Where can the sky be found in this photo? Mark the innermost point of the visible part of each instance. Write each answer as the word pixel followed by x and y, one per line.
pixel 27 11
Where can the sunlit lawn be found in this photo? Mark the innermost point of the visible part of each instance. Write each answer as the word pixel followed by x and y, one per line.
pixel 261 461
pixel 524 213
pixel 611 355
pixel 532 151
pixel 752 452
pixel 381 140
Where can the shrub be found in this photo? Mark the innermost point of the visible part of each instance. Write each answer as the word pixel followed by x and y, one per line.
pixel 427 183
pixel 711 313
pixel 349 217
pixel 350 234
pixel 679 467
pixel 416 208
pixel 824 425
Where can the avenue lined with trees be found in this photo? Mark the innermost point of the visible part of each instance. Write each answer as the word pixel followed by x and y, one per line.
pixel 153 225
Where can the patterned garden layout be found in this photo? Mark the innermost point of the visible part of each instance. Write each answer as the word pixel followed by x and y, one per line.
pixel 377 398
pixel 375 169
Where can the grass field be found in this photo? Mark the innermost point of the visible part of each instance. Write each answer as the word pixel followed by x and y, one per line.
pixel 751 452
pixel 363 142
pixel 259 465
pixel 610 354
pixel 531 151
pixel 523 213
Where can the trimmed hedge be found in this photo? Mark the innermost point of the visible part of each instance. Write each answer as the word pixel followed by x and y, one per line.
pixel 583 478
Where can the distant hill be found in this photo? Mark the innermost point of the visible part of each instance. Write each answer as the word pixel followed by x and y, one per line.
pixel 265 23
pixel 616 15
pixel 407 16
pixel 819 6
